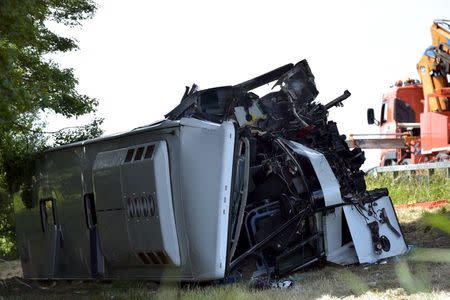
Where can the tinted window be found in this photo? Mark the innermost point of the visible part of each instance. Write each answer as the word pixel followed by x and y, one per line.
pixel 384 109
pixel 404 112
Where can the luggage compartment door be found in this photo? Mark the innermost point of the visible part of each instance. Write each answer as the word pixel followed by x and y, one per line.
pixel 134 206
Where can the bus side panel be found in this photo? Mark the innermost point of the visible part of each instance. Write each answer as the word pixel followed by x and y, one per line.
pixel 52 236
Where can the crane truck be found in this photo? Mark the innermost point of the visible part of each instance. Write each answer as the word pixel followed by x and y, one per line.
pixel 414 119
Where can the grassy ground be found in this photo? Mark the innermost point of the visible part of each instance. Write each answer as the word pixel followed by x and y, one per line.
pixel 424 274
pixel 410 189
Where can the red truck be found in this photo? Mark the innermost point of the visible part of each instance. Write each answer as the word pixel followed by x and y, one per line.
pixel 406 123
pixel 415 117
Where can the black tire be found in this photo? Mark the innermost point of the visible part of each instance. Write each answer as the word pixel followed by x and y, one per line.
pixel 390 162
pixel 406 161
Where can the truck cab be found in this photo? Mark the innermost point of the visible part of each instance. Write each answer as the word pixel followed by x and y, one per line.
pixel 400 113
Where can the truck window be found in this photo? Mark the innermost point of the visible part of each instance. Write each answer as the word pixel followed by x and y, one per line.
pixel 384 109
pixel 403 112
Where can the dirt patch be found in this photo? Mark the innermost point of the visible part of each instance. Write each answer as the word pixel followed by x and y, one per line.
pixel 10 269
pixel 418 232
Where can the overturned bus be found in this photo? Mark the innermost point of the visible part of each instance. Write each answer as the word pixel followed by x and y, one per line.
pixel 229 179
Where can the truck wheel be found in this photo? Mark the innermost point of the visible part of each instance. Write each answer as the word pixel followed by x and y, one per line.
pixel 442 156
pixel 390 162
pixel 406 161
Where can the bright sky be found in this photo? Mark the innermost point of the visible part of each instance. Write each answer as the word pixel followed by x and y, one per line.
pixel 137 56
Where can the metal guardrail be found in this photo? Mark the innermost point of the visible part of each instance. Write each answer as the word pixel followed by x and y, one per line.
pixel 416 167
pixel 377 143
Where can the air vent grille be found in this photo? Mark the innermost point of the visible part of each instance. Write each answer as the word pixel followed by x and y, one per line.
pixel 154 258
pixel 136 154
pixel 139 153
pixel 129 155
pixel 143 206
pixel 149 152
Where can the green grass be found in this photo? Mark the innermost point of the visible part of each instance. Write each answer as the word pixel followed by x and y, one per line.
pixel 410 189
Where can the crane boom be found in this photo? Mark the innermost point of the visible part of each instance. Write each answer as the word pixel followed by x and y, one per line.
pixel 434 66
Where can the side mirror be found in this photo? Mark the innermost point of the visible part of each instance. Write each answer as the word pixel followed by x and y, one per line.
pixel 370 116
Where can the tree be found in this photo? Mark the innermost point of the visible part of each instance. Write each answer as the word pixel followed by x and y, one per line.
pixel 30 83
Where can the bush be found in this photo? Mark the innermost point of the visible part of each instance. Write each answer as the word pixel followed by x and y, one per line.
pixel 7 231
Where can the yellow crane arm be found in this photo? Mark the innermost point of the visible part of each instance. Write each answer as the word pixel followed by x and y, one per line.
pixel 435 65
